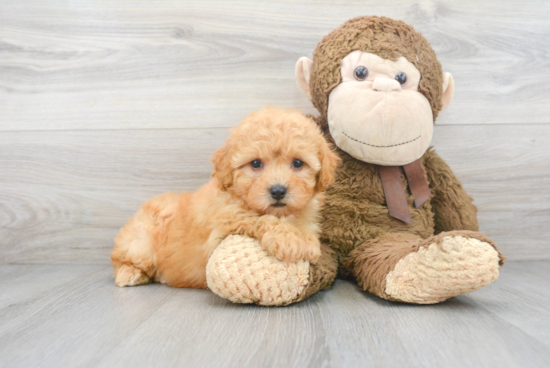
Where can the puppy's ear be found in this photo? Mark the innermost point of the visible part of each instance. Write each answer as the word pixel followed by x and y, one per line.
pixel 223 171
pixel 329 162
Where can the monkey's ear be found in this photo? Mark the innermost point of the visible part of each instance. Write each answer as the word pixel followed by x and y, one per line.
pixel 303 70
pixel 448 90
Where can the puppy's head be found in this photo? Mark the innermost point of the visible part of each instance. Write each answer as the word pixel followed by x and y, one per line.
pixel 276 161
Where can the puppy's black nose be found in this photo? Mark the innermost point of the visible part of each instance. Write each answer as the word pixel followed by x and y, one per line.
pixel 278 192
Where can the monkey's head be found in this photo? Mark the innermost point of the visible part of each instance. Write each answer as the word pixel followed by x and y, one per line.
pixel 379 87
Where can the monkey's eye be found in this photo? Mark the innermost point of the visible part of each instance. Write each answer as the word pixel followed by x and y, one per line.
pixel 256 164
pixel 401 78
pixel 361 73
pixel 297 164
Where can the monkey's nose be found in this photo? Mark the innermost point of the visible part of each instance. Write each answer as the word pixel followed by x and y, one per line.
pixel 386 85
pixel 278 192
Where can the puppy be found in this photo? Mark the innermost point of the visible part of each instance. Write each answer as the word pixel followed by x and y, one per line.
pixel 268 184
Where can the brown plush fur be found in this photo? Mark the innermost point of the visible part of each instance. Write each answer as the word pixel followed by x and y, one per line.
pixel 321 274
pixel 172 236
pixel 367 242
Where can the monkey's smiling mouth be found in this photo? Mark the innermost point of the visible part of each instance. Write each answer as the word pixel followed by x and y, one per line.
pixel 372 145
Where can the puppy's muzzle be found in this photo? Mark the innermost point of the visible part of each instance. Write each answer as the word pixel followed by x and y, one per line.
pixel 278 193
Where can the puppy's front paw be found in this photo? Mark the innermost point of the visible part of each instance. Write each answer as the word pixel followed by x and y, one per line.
pixel 284 245
pixel 290 245
pixel 312 247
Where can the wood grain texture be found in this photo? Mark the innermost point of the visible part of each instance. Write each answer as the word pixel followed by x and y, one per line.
pixel 65 195
pixel 165 64
pixel 521 287
pixel 106 104
pixel 506 170
pixel 74 316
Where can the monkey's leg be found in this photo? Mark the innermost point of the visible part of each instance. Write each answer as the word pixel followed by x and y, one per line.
pixel 406 268
pixel 321 274
pixel 241 271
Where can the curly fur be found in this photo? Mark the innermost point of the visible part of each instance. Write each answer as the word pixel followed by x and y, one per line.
pixel 172 236
pixel 367 243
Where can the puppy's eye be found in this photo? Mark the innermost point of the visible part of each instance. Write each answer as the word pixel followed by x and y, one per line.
pixel 361 73
pixel 297 164
pixel 256 164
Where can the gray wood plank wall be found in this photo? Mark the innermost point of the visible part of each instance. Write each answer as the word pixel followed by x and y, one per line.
pixel 105 104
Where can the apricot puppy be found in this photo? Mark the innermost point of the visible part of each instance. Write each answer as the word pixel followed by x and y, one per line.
pixel 268 183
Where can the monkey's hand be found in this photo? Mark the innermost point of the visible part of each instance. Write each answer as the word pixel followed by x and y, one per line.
pixel 242 271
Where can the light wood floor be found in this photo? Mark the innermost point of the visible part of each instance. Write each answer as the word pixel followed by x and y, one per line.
pixel 74 316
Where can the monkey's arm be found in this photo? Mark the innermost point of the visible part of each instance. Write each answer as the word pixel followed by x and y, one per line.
pixel 452 206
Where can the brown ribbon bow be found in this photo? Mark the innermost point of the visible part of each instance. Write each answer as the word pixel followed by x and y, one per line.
pixel 395 193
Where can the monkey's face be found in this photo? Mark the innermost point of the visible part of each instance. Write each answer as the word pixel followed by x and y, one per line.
pixel 377 114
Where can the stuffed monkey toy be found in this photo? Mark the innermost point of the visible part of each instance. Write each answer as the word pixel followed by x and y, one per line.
pixel 397 219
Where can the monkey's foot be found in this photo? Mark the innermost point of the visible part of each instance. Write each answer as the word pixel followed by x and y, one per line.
pixel 241 271
pixel 449 264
